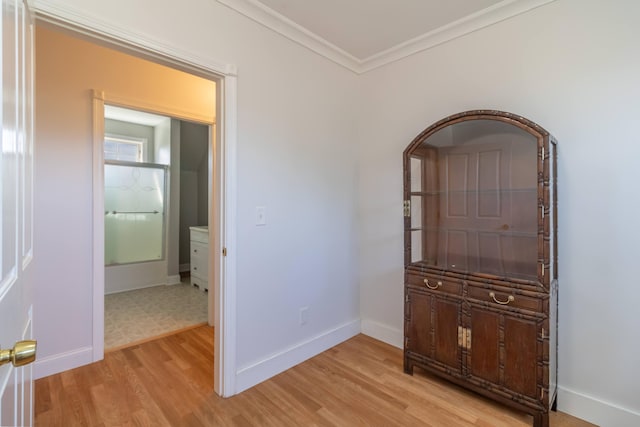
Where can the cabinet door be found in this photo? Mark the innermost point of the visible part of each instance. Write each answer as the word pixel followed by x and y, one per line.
pixel 432 328
pixel 503 350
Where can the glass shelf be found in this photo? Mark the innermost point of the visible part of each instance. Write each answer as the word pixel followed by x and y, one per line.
pixel 474 208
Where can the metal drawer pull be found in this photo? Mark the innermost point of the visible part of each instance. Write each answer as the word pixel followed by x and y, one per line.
pixel 426 282
pixel 510 299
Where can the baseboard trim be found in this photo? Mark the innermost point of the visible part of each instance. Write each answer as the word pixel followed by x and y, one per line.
pixel 382 332
pixel 62 362
pixel 173 280
pixel 595 410
pixel 256 373
pixel 170 280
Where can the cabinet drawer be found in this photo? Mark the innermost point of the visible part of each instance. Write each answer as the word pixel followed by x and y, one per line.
pixel 199 259
pixel 199 250
pixel 199 267
pixel 504 298
pixel 435 283
pixel 199 236
pixel 199 278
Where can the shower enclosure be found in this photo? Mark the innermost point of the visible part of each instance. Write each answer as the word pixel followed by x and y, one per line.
pixel 135 205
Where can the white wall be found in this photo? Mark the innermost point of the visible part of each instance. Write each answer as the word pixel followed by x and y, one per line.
pixel 572 67
pixel 295 155
pixel 162 142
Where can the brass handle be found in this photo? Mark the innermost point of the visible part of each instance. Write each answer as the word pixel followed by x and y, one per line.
pixel 22 353
pixel 426 283
pixel 510 299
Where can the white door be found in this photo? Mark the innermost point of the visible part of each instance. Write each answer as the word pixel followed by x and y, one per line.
pixel 16 214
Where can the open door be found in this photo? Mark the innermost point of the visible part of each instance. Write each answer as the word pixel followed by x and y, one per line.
pixel 16 215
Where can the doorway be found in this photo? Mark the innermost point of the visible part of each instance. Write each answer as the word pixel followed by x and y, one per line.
pixel 156 190
pixel 221 189
pixel 75 90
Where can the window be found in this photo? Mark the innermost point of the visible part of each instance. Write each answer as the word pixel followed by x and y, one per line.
pixel 124 148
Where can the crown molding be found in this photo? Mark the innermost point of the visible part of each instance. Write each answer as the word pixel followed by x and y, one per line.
pixel 484 18
pixel 85 23
pixel 282 25
pixel 51 11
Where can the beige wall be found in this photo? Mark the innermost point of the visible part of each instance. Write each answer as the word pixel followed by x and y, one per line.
pixel 68 69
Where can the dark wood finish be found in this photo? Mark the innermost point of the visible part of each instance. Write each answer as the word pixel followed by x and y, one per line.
pixel 420 310
pixel 484 361
pixel 526 301
pixel 481 281
pixel 437 319
pixel 442 284
pixel 520 349
pixel 169 382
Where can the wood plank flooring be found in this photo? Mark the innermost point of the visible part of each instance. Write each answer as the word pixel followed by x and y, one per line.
pixel 169 382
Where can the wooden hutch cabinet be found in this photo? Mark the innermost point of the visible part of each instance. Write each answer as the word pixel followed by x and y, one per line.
pixel 481 289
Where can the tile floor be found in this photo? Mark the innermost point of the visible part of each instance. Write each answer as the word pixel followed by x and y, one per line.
pixel 144 313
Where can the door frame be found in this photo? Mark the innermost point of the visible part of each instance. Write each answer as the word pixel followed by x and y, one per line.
pixel 222 178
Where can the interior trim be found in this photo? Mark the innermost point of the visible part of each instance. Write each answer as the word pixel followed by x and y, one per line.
pixel 282 25
pixel 257 372
pixel 595 410
pixel 382 332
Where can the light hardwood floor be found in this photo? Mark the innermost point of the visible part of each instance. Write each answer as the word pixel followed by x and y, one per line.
pixel 169 382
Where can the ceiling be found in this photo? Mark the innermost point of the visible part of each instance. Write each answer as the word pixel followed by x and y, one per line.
pixel 365 34
pixel 364 28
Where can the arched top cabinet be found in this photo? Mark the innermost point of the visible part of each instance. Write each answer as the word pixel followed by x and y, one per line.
pixel 479 192
pixel 480 257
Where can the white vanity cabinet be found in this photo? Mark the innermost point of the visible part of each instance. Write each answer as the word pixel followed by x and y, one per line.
pixel 200 257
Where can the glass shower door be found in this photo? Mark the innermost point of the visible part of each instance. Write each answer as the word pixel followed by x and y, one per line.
pixel 134 203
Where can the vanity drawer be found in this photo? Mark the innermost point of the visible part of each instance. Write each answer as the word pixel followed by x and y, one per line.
pixel 435 283
pixel 199 250
pixel 199 235
pixel 499 297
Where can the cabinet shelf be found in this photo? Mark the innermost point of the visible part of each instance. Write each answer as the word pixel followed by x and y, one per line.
pixel 496 191
pixel 500 232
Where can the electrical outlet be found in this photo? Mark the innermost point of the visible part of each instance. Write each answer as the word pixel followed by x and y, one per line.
pixel 304 315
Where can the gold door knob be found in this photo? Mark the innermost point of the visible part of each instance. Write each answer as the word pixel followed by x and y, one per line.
pixel 22 353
